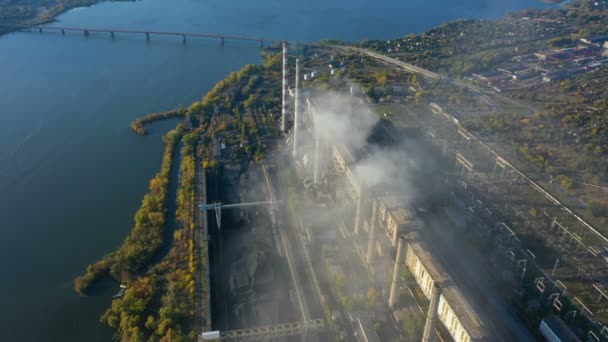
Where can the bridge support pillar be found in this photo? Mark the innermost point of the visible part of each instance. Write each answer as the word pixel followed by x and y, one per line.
pixel 86 33
pixel 40 30
pixel 112 35
pixel 184 38
pixel 147 36
pixel 62 31
pixel 222 41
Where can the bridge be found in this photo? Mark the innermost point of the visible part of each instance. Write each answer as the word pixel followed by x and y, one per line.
pixel 265 333
pixel 147 33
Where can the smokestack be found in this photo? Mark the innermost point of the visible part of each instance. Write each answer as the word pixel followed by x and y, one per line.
pixel 358 210
pixel 296 113
pixel 372 233
pixel 285 108
pixel 393 298
pixel 317 147
pixel 431 318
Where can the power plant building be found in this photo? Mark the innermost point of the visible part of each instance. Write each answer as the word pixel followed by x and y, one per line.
pixel 394 217
pixel 343 158
pixel 400 225
pixel 454 310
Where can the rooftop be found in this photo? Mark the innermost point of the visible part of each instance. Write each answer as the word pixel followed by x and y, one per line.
pixel 400 215
pixel 391 201
pixel 466 314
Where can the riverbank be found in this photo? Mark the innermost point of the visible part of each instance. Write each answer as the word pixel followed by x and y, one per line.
pixel 137 125
pixel 165 274
pixel 36 14
pixel 146 238
pixel 88 90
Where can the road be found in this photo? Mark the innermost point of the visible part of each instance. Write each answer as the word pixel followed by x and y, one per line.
pixel 433 75
pixel 409 67
pixel 427 73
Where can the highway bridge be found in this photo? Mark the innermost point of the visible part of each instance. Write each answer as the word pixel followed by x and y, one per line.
pixel 147 33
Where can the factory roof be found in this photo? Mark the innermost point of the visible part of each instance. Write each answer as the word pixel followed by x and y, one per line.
pixel 400 215
pixel 429 262
pixel 391 201
pixel 467 315
pixel 345 153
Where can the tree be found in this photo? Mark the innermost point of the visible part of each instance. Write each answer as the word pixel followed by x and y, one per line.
pixel 420 96
pixel 414 80
pixel 381 78
pixel 565 182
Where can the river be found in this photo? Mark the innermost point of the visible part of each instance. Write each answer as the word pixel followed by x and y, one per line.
pixel 71 172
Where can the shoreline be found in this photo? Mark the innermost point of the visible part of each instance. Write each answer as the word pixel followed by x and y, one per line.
pixel 50 17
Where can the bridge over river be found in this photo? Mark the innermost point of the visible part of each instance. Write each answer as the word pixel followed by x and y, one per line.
pixel 147 33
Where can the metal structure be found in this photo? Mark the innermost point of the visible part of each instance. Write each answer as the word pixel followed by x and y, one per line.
pixel 112 31
pixel 571 276
pixel 316 165
pixel 273 331
pixel 296 113
pixel 285 98
pixel 217 207
pixel 372 232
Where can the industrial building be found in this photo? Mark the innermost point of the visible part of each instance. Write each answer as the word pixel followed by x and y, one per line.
pixel 393 216
pixel 454 310
pixel 378 208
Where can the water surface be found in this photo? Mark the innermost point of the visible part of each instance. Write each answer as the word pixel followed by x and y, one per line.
pixel 71 172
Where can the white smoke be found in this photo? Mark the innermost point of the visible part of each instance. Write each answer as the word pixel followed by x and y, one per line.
pixel 343 119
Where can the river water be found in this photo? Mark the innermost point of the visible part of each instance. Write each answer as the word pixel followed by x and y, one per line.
pixel 71 172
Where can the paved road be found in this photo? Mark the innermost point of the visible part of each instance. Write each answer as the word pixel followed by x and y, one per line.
pixel 409 67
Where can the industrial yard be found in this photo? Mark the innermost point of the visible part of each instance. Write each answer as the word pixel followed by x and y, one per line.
pixel 392 222
pixel 353 171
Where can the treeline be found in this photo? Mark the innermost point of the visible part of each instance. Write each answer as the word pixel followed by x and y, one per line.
pixel 137 126
pixel 146 237
pixel 160 305
pixel 217 96
pixel 165 295
pixel 30 12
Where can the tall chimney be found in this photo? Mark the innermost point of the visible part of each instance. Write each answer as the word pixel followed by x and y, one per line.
pixel 296 113
pixel 372 232
pixel 285 108
pixel 393 298
pixel 432 316
pixel 317 147
pixel 358 209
